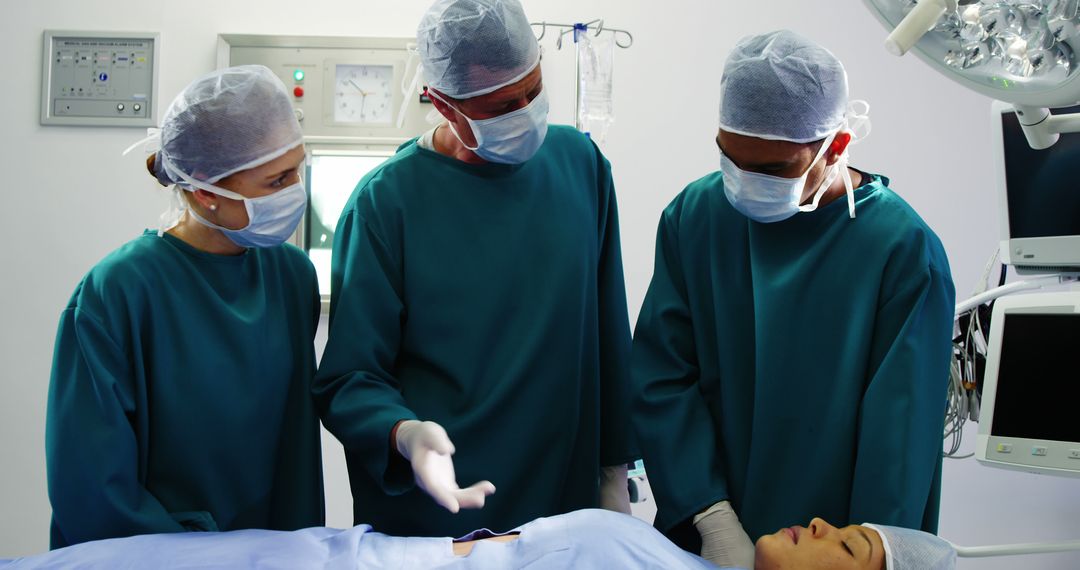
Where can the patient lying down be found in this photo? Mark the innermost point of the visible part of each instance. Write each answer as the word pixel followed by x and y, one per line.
pixel 582 539
pixel 855 547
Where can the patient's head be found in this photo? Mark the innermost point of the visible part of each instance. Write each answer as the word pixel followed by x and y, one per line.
pixel 821 545
pixel 855 547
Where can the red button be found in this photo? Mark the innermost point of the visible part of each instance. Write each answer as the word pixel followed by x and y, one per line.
pixel 298 91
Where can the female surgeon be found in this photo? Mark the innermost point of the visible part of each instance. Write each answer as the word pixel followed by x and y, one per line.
pixel 179 397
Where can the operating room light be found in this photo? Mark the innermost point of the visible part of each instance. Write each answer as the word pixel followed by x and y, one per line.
pixel 1019 51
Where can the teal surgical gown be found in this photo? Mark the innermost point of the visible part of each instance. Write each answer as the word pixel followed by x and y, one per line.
pixel 180 394
pixel 797 369
pixel 488 298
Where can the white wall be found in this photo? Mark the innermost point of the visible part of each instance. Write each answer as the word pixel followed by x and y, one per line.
pixel 70 198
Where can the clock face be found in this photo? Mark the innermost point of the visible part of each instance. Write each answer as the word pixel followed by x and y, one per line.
pixel 363 94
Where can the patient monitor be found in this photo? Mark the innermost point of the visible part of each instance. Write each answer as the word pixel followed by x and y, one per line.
pixel 1031 392
pixel 1038 197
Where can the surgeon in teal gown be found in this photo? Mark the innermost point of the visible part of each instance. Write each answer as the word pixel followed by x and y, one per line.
pixel 791 364
pixel 485 296
pixel 180 391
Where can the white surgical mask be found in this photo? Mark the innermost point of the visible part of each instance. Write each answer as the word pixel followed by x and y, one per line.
pixel 512 138
pixel 771 198
pixel 271 218
pixel 766 198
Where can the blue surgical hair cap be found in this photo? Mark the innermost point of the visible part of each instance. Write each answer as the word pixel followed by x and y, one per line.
pixel 470 48
pixel 907 549
pixel 781 86
pixel 230 120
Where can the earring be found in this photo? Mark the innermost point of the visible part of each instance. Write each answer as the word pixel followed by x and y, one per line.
pixel 213 207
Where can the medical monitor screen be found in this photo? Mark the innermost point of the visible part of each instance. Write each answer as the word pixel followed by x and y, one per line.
pixel 1043 186
pixel 1038 382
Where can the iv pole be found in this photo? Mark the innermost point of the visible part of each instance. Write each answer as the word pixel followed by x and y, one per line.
pixel 623 39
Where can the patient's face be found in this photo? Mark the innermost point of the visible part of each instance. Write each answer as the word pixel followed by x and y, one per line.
pixel 820 545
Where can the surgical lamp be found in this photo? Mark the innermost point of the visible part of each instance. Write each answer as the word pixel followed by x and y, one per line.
pixel 1017 51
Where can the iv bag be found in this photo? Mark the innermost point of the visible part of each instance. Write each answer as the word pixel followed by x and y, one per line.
pixel 596 109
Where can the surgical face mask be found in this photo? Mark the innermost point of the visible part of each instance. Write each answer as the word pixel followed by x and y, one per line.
pixel 765 198
pixel 512 138
pixel 271 218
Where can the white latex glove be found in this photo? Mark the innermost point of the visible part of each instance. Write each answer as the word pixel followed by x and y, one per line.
pixel 723 540
pixel 615 489
pixel 428 448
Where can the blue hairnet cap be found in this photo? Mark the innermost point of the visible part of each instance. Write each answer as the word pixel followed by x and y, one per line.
pixel 907 549
pixel 472 47
pixel 781 86
pixel 224 122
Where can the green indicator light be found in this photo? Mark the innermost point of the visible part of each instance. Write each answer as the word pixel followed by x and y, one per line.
pixel 298 75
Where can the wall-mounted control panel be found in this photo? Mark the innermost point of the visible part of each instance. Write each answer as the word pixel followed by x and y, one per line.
pixel 105 79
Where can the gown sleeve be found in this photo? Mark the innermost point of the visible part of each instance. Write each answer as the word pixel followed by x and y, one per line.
pixel 91 448
pixel 358 397
pixel 898 456
pixel 672 420
pixel 617 442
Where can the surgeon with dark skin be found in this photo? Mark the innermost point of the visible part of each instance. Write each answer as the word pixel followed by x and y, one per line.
pixel 791 356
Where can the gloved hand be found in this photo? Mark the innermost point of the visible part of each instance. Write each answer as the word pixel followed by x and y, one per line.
pixel 723 540
pixel 614 489
pixel 428 449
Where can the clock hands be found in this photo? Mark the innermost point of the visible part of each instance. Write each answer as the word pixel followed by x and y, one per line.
pixel 358 88
pixel 363 96
pixel 360 112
